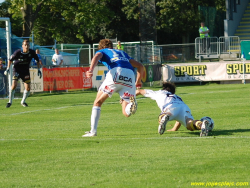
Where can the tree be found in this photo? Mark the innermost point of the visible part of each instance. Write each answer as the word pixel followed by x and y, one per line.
pixel 182 17
pixel 87 21
pixel 15 23
pixel 62 20
pixel 179 17
pixel 29 9
pixel 125 29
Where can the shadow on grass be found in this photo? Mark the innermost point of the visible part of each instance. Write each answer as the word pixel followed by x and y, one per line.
pixel 222 132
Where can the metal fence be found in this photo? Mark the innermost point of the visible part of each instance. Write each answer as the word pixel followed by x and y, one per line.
pixel 147 54
pixel 229 47
pixel 206 48
pixel 226 48
pixel 172 53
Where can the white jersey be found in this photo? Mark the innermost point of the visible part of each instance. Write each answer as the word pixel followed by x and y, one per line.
pixel 163 98
pixel 171 104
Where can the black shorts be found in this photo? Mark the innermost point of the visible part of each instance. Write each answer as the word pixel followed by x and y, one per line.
pixel 25 76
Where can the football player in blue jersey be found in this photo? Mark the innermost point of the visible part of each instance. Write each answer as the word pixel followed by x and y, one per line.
pixel 173 108
pixel 120 79
pixel 21 59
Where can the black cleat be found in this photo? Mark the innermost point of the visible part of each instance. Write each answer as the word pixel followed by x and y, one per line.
pixel 8 105
pixel 24 104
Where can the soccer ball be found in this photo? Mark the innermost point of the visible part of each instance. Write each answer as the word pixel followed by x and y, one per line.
pixel 210 121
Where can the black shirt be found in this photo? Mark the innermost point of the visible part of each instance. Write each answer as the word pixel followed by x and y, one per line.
pixel 22 60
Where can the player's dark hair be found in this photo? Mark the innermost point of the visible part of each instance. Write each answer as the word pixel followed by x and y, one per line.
pixel 26 40
pixel 105 43
pixel 169 87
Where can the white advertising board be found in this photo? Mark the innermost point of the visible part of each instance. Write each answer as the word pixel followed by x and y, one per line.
pixel 209 71
pixel 36 84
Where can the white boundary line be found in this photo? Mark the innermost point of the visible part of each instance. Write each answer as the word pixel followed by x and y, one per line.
pixel 116 138
pixel 58 108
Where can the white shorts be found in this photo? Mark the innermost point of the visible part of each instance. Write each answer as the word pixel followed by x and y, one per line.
pixel 180 112
pixel 119 80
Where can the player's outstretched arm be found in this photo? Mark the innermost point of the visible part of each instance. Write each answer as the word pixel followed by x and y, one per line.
pixel 140 72
pixel 93 64
pixel 140 92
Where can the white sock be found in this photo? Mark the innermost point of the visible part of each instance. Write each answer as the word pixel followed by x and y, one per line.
pixel 11 95
pixel 127 109
pixel 25 95
pixel 95 116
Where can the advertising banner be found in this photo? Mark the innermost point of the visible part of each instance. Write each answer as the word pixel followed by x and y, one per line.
pixel 99 75
pixel 87 82
pixel 36 84
pixel 65 78
pixel 245 48
pixel 209 71
pixel 152 73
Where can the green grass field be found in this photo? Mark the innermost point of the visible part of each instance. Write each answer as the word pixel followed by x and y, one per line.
pixel 41 146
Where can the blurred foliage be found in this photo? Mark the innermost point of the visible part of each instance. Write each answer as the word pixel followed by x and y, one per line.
pixel 86 21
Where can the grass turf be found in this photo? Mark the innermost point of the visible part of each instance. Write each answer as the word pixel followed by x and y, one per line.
pixel 41 146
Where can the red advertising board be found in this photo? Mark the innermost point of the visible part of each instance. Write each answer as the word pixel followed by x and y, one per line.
pixel 56 79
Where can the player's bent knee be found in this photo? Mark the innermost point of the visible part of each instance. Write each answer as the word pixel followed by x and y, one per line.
pixel 98 103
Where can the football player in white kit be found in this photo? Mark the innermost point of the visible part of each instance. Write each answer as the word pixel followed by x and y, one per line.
pixel 173 108
pixel 120 78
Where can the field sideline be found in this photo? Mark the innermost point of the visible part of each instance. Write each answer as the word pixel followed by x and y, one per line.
pixel 41 146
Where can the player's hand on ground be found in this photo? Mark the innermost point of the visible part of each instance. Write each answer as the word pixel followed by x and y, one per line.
pixel 89 74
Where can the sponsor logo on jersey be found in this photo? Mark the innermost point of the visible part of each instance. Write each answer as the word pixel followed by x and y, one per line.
pixel 108 89
pixel 114 59
pixel 125 78
pixel 127 95
pixel 27 77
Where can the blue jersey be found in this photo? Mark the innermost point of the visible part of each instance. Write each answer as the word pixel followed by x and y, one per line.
pixel 34 62
pixel 115 58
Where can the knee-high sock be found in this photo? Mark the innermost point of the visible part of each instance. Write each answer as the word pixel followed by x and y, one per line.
pixel 25 95
pixel 95 116
pixel 11 95
pixel 196 125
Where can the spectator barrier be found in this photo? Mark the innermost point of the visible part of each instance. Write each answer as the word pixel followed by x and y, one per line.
pixel 209 71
